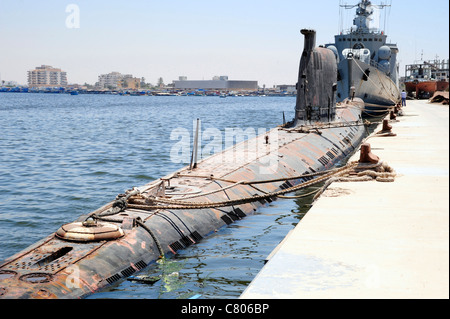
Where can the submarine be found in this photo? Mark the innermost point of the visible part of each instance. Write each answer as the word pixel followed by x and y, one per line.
pixel 156 220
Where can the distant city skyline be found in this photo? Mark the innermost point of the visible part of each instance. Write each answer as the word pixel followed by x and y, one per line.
pixel 246 40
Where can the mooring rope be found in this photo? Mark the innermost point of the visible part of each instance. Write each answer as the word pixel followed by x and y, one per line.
pixel 137 200
pixel 313 128
pixel 178 204
pixel 382 173
pixel 155 239
pixel 266 181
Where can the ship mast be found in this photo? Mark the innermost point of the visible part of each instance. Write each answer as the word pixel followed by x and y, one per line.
pixel 364 13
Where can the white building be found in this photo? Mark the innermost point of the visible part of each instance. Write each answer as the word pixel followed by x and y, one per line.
pixel 217 83
pixel 46 76
pixel 112 80
pixel 287 88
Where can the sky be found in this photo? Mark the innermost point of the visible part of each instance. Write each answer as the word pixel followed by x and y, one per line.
pixel 244 39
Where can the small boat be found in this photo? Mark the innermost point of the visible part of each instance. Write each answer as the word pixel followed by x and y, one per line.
pixel 73 92
pixel 424 78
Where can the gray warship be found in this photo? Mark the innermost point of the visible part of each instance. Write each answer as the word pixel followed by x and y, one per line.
pixel 154 221
pixel 367 64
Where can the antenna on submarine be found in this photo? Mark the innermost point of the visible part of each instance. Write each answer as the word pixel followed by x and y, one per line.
pixel 195 148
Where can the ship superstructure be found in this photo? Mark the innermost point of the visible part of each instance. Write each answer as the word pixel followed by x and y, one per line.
pixel 367 64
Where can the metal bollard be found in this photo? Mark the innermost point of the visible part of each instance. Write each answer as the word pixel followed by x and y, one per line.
pixel 392 116
pixel 386 126
pixel 366 155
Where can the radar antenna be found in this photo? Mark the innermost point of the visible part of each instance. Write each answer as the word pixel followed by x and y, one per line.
pixel 364 12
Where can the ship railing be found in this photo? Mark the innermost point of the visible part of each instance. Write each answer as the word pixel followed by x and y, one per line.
pixel 359 31
pixel 375 64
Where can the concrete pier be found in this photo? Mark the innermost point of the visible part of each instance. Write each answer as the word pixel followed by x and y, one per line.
pixel 375 239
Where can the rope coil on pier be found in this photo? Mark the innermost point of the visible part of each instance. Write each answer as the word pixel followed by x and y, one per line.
pixel 381 172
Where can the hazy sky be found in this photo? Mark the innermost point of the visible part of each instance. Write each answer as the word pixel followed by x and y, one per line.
pixel 245 39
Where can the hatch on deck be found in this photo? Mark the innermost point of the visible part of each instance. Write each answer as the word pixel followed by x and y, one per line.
pixel 89 231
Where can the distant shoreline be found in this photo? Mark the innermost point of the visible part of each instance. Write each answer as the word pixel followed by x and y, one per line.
pixel 168 92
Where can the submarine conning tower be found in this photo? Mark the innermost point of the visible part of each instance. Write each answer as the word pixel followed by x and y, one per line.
pixel 317 83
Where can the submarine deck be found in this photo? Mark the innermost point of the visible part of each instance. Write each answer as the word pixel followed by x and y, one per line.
pixel 374 239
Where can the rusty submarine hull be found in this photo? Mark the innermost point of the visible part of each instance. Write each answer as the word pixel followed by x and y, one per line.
pixel 149 222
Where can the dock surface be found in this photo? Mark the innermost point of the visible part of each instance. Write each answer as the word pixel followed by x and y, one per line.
pixel 375 239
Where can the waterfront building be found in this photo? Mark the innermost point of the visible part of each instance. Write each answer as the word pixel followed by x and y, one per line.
pixel 131 83
pixel 217 83
pixel 290 89
pixel 440 71
pixel 117 80
pixel 46 76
